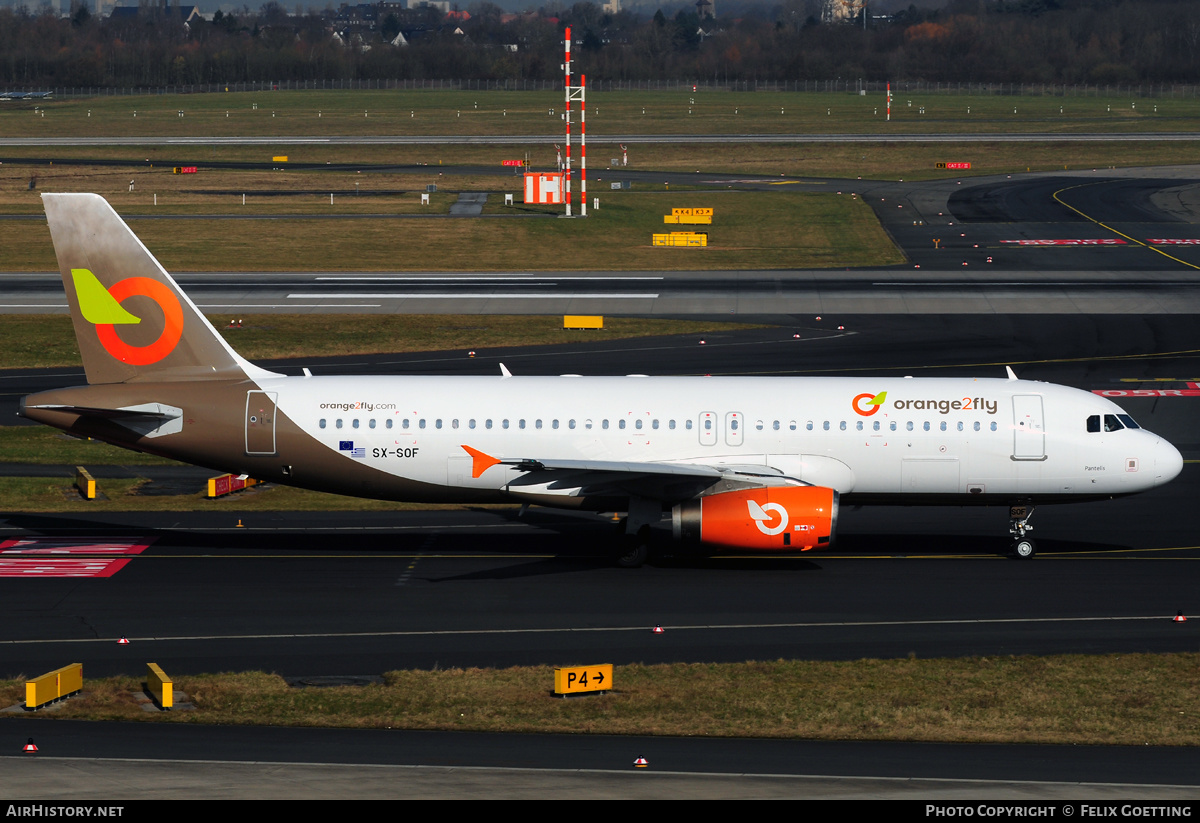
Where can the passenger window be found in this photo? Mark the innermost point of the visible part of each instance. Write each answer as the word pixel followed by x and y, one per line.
pixel 354 423
pixel 808 426
pixel 825 425
pixel 339 423
pixel 604 424
pixel 587 424
pixel 504 423
pixel 404 425
pixel 454 423
pixel 943 426
pixel 858 425
pixel 925 426
pixel 554 424
pixel 976 425
pixel 388 424
pixel 842 425
pixel 775 425
pixel 688 425
pixel 909 425
pixel 537 424
pixel 960 425
pixel 637 424
pixel 671 425
pixel 654 424
pixel 437 424
pixel 892 425
pixel 322 423
pixel 993 425
pixel 875 426
pixel 487 424
pixel 621 423
pixel 758 424
pixel 521 423
pixel 471 423
pixel 371 423
pixel 570 424
pixel 792 425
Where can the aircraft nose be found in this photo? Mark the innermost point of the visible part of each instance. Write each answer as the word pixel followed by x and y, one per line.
pixel 1168 463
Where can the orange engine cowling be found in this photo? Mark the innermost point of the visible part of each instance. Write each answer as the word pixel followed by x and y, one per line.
pixel 779 518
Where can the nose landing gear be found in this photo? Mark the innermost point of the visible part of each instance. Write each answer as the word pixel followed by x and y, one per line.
pixel 1022 547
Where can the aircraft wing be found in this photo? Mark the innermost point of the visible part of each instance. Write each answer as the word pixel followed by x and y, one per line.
pixel 592 477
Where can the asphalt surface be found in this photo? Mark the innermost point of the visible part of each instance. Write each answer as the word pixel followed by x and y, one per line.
pixel 352 595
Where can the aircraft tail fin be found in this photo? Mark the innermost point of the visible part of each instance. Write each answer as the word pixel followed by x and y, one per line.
pixel 132 321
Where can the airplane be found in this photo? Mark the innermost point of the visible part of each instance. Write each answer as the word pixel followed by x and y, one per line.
pixel 752 463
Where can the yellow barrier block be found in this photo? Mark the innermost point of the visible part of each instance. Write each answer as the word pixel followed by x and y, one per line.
pixel 279 158
pixel 161 687
pixel 583 321
pixel 583 679
pixel 695 212
pixel 85 483
pixel 53 686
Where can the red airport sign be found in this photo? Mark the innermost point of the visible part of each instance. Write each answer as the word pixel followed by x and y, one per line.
pixel 954 165
pixel 513 163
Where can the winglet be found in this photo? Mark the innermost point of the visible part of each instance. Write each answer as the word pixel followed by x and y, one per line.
pixel 480 462
pixel 504 372
pixel 1011 374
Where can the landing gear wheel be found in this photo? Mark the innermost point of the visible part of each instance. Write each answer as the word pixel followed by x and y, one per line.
pixel 636 550
pixel 1024 548
pixel 635 556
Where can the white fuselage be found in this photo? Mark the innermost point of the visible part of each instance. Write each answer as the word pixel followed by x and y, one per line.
pixel 883 439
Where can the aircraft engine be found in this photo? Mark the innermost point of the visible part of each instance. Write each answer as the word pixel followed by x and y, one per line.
pixel 780 518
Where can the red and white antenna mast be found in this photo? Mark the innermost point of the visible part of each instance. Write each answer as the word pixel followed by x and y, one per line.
pixel 575 93
pixel 567 118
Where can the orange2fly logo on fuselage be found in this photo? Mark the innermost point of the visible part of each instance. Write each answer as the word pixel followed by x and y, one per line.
pixel 102 307
pixel 868 404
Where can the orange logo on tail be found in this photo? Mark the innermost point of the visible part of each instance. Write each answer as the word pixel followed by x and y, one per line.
pixel 102 307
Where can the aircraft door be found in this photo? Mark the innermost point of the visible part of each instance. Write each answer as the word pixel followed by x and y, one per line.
pixel 260 422
pixel 1029 429
pixel 733 428
pixel 708 428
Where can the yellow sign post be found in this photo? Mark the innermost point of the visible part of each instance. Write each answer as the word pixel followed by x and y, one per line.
pixel 583 679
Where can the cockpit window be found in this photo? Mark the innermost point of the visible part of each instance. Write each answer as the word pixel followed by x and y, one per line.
pixel 1128 421
pixel 1093 423
pixel 1112 424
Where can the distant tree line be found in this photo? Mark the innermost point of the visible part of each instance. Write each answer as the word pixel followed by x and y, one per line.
pixel 969 41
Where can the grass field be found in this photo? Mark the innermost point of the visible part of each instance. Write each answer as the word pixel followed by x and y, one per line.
pixel 751 230
pixel 1127 700
pixel 429 112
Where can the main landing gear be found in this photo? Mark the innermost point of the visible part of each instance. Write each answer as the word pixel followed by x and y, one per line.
pixel 1023 546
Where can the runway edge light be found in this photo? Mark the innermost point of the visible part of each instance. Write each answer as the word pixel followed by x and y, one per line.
pixel 641 763
pixel 1179 618
pixel 29 747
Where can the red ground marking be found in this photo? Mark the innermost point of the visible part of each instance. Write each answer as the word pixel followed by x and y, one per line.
pixel 1094 241
pixel 1181 241
pixel 1147 392
pixel 44 556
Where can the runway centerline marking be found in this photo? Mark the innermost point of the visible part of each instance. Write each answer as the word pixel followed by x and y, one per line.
pixel 480 296
pixel 601 629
